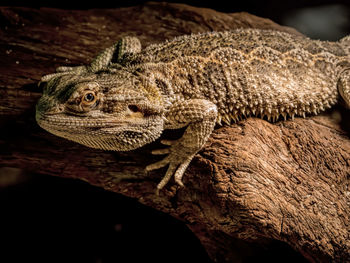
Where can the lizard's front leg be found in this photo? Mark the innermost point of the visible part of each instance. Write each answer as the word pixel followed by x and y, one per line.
pixel 344 86
pixel 199 116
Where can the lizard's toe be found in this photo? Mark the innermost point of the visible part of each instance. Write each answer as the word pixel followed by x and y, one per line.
pixel 161 151
pixel 157 165
pixel 167 177
pixel 168 142
pixel 181 170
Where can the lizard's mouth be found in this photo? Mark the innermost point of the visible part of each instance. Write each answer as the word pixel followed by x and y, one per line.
pixel 73 123
pixel 76 124
pixel 103 133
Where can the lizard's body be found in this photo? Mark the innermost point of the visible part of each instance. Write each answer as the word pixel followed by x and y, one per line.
pixel 193 81
pixel 265 73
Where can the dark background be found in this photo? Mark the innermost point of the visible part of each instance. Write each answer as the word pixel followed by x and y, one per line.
pixel 49 219
pixel 323 19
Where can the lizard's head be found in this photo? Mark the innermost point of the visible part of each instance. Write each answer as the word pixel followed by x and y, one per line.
pixel 110 111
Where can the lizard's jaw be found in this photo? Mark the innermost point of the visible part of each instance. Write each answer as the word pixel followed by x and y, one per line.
pixel 107 134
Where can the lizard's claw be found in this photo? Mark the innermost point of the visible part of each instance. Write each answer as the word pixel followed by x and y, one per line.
pixel 177 161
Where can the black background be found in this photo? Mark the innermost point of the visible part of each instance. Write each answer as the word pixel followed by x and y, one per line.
pixel 273 9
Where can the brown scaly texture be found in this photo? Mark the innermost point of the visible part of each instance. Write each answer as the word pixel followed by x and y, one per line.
pixel 253 181
pixel 127 96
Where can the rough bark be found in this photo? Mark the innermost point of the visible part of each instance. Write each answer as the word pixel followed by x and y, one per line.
pixel 253 181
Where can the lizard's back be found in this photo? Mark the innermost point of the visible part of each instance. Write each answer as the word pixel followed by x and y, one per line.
pixel 250 71
pixel 244 40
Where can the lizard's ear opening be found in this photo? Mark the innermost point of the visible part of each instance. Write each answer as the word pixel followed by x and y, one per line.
pixel 144 110
pixel 135 112
pixel 134 108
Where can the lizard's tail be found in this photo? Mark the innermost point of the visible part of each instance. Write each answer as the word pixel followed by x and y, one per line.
pixel 345 43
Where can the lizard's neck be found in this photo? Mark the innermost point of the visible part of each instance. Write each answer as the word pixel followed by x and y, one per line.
pixel 157 78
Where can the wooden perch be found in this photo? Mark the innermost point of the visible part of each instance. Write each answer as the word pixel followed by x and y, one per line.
pixel 254 181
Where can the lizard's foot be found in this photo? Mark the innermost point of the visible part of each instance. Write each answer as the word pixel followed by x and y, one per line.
pixel 177 159
pixel 200 117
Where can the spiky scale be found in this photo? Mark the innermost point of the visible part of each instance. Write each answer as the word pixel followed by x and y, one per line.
pixel 226 119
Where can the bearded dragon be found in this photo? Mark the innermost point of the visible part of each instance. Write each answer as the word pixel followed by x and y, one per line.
pixel 128 96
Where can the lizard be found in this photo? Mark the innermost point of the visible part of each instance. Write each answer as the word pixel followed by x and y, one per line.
pixel 127 96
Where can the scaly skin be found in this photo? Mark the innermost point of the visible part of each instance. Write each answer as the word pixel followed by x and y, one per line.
pixel 127 96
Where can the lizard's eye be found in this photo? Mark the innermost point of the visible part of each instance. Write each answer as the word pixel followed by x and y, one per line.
pixel 89 98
